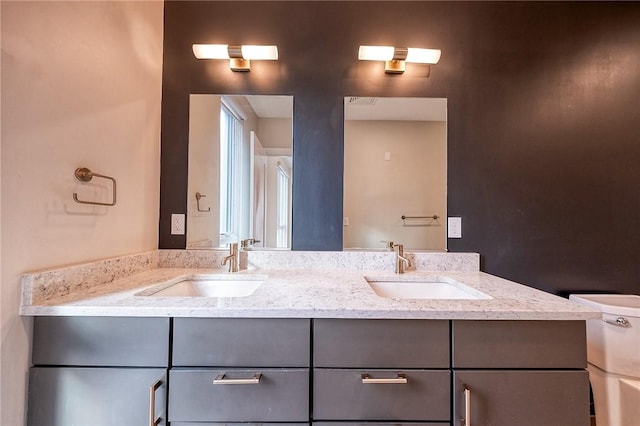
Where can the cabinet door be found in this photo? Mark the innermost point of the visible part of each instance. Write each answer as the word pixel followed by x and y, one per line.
pixel 96 396
pixel 523 398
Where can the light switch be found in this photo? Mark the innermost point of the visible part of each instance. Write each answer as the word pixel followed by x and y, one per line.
pixel 345 221
pixel 454 227
pixel 387 156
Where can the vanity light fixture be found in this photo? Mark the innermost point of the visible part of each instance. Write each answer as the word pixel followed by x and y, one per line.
pixel 239 56
pixel 396 57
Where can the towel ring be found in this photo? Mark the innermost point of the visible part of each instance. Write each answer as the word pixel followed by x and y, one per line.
pixel 83 174
pixel 198 197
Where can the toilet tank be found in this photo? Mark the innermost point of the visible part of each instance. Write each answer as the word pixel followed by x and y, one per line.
pixel 613 342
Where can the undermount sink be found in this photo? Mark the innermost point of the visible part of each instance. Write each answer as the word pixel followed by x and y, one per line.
pixel 418 288
pixel 208 285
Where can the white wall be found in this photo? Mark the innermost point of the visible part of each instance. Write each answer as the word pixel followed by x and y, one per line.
pixel 81 86
pixel 413 182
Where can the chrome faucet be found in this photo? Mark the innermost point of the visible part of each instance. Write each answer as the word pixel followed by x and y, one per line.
pixel 233 259
pixel 402 262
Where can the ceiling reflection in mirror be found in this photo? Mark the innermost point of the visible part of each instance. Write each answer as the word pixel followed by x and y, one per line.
pixel 395 173
pixel 240 170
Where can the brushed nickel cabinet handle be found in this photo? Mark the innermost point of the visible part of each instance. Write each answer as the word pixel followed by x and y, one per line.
pixel 221 380
pixel 399 379
pixel 153 420
pixel 467 406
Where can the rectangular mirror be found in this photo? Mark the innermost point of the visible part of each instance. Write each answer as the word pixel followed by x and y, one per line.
pixel 240 169
pixel 395 173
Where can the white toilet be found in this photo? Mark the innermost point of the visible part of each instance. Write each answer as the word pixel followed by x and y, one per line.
pixel 613 354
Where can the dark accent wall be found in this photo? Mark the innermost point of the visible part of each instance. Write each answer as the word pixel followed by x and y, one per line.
pixel 544 120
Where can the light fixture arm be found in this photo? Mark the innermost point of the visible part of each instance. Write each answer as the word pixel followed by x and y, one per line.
pixel 236 60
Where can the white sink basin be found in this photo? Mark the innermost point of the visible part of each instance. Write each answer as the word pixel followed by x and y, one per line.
pixel 208 285
pixel 416 288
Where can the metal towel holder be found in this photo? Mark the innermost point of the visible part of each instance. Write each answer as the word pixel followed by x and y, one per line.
pixel 85 175
pixel 198 197
pixel 431 219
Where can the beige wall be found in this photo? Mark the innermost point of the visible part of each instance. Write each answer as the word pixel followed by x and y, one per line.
pixel 378 192
pixel 276 132
pixel 81 86
pixel 203 228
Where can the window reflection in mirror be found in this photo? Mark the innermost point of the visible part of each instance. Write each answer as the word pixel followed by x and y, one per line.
pixel 395 162
pixel 240 160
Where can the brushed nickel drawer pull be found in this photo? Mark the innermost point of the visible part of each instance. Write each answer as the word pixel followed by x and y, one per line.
pixel 399 379
pixel 220 380
pixel 467 406
pixel 153 420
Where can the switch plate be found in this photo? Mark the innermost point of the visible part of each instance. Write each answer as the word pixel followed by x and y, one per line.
pixel 345 221
pixel 454 227
pixel 387 156
pixel 177 224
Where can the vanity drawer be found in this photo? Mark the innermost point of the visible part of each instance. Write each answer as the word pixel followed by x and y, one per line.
pixel 278 395
pixel 354 343
pixel 101 341
pixel 342 395
pixel 239 424
pixel 375 424
pixel 519 344
pixel 241 342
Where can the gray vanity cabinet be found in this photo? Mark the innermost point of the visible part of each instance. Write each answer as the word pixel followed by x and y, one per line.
pixel 240 370
pixel 98 371
pixel 381 370
pixel 93 371
pixel 525 373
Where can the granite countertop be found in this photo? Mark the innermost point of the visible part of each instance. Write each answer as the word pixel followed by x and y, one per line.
pixel 301 293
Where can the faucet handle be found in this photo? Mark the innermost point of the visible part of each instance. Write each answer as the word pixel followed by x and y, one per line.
pixel 388 243
pixel 248 242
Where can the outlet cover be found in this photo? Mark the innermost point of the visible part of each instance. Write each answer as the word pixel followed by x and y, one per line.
pixel 454 227
pixel 177 224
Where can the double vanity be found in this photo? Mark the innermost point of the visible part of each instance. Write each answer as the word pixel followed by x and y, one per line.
pixel 167 337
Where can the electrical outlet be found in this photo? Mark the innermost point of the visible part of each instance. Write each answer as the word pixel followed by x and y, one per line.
pixel 177 224
pixel 454 227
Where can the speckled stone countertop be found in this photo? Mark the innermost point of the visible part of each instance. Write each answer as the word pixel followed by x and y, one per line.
pixel 297 285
